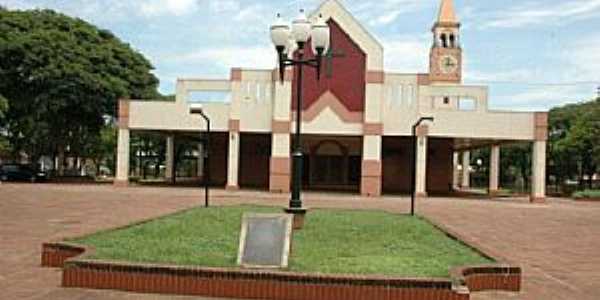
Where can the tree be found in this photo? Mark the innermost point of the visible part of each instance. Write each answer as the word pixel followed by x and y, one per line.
pixel 574 144
pixel 62 76
pixel 101 148
pixel 516 164
pixel 583 140
pixel 3 106
pixel 4 146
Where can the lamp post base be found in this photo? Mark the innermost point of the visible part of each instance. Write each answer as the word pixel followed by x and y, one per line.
pixel 299 216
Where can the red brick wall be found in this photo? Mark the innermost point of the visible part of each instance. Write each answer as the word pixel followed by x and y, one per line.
pixel 397 153
pixel 396 164
pixel 349 72
pixel 219 153
pixel 255 157
pixel 439 165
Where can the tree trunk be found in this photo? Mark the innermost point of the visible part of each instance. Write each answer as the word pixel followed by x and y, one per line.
pixel 61 161
pixel 97 165
pixel 157 169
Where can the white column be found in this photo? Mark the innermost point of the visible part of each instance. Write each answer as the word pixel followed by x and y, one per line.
pixel 122 176
pixel 466 170
pixel 170 157
pixel 200 160
pixel 280 167
pixel 494 169
pixel 233 161
pixel 455 171
pixel 421 167
pixel 371 166
pixel 538 184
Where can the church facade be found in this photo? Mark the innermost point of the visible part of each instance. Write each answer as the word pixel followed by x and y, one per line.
pixel 356 125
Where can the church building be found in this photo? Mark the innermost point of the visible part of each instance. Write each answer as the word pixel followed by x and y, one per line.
pixel 356 125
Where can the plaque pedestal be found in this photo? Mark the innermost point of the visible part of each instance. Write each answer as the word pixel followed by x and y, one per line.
pixel 299 215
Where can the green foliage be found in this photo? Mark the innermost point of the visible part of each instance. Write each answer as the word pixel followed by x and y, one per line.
pixel 587 194
pixel 575 141
pixel 4 145
pixel 62 76
pixel 333 242
pixel 3 106
pixel 101 148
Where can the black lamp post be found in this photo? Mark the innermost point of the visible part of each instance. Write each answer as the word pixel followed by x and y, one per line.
pixel 413 163
pixel 197 109
pixel 286 40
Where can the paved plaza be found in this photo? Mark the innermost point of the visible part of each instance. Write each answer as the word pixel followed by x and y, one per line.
pixel 557 243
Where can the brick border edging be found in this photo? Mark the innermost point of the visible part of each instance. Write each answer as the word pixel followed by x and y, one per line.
pixel 488 277
pixel 236 283
pixel 54 255
pixel 503 276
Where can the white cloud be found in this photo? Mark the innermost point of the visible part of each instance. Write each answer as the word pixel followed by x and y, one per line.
pixel 386 18
pixel 512 76
pixel 406 53
pixel 540 13
pixel 152 8
pixel 222 6
pixel 385 12
pixel 256 57
pixel 113 10
pixel 541 98
pixel 584 58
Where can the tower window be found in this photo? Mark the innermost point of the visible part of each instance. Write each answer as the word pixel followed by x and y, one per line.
pixel 452 41
pixel 446 100
pixel 444 39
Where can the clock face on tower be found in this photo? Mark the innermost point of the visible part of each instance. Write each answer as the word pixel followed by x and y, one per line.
pixel 448 64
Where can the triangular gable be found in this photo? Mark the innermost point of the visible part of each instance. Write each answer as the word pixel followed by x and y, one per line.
pixel 374 50
pixel 329 101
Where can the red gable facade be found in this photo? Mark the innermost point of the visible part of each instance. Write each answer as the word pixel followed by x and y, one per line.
pixel 343 74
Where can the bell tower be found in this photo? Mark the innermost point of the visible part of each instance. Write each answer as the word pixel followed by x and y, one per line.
pixel 445 59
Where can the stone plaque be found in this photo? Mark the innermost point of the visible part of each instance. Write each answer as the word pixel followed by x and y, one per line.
pixel 265 240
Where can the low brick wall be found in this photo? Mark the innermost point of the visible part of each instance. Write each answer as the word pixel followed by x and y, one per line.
pixel 249 284
pixel 54 255
pixel 488 278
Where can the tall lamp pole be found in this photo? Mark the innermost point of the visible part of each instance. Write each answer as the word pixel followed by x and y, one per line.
pixel 286 40
pixel 197 109
pixel 413 161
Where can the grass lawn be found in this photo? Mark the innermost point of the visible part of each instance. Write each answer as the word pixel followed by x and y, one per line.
pixel 332 242
pixel 587 194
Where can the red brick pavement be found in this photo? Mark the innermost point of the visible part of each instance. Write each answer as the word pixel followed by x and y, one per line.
pixel 557 244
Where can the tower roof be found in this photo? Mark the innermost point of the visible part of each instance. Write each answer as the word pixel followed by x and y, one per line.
pixel 447 13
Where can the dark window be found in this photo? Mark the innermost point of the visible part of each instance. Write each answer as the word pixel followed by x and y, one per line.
pixel 444 40
pixel 446 100
pixel 452 41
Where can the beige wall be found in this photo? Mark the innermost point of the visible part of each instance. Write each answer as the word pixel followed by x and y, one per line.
pixel 394 101
pixel 397 112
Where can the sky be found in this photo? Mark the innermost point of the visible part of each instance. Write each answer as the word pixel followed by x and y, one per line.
pixel 533 54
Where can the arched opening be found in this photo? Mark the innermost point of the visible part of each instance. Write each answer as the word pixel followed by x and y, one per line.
pixel 328 164
pixel 452 41
pixel 444 40
pixel 332 163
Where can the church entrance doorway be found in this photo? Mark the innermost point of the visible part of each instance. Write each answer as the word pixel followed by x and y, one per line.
pixel 332 163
